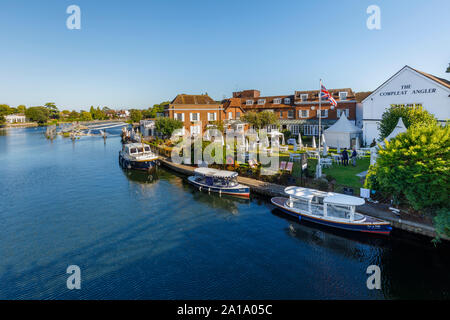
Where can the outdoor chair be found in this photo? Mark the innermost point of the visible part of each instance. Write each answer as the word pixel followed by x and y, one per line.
pixel 282 165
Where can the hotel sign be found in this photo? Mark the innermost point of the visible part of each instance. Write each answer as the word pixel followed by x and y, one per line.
pixel 405 89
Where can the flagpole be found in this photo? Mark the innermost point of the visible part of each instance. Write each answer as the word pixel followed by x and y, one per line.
pixel 319 168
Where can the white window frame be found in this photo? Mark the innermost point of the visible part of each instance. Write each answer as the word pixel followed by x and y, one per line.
pixel 214 116
pixel 238 114
pixel 300 114
pixel 287 100
pixel 182 116
pixel 261 102
pixel 323 116
pixel 277 101
pixel 343 93
pixel 295 129
pixel 197 129
pixel 192 118
pixel 230 115
pixel 249 102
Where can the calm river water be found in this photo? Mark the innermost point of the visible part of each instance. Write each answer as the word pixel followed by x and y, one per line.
pixel 137 236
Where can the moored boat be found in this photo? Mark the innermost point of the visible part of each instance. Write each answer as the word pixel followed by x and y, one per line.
pixel 219 181
pixel 329 209
pixel 137 156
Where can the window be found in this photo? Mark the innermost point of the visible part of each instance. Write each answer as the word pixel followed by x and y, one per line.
pixel 179 116
pixel 261 101
pixel 287 101
pixel 304 96
pixel 277 101
pixel 311 130
pixel 238 114
pixel 230 115
pixel 290 114
pixel 340 111
pixel 303 113
pixel 342 95
pixel 281 114
pixel 195 117
pixel 212 116
pixel 324 114
pixel 249 102
pixel 295 129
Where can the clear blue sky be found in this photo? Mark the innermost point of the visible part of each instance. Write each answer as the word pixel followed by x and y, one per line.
pixel 138 53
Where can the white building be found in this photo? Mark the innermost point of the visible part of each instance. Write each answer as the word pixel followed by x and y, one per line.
pixel 15 118
pixel 407 87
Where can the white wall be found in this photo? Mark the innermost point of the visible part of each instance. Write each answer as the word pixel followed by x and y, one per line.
pixel 409 87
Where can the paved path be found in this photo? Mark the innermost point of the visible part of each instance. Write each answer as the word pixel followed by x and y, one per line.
pixel 275 190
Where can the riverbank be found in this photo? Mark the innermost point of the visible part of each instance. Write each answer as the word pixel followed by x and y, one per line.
pixel 380 211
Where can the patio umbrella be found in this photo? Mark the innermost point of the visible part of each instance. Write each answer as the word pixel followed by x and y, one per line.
pixel 282 140
pixel 314 142
pixel 300 142
pixel 323 139
pixel 357 143
pixel 338 148
pixel 246 145
pixel 266 142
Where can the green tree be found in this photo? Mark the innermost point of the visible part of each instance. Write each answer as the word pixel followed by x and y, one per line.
pixel 5 109
pixel 74 116
pixel 414 168
pixel 21 108
pixel 219 125
pixel 412 116
pixel 53 110
pixel 260 119
pixel 167 126
pixel 85 116
pixel 2 120
pixel 135 115
pixel 38 114
pixel 448 68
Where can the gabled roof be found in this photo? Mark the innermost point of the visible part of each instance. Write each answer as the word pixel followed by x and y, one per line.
pixel 442 82
pixel 343 125
pixel 193 99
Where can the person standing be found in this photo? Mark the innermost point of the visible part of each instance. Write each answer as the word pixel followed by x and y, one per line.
pixel 345 157
pixel 354 154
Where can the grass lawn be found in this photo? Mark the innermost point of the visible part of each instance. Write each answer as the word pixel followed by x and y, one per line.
pixel 347 175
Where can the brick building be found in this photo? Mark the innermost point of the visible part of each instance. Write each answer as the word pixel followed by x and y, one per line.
pixel 299 112
pixel 198 112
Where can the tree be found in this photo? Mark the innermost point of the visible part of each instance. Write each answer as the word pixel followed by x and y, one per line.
pixel 167 126
pixel 21 108
pixel 74 116
pixel 448 68
pixel 135 115
pixel 2 120
pixel 414 168
pixel 53 110
pixel 5 109
pixel 85 116
pixel 219 125
pixel 412 116
pixel 37 114
pixel 261 119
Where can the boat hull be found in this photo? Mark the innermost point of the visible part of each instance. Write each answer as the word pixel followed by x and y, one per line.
pixel 372 225
pixel 241 191
pixel 137 165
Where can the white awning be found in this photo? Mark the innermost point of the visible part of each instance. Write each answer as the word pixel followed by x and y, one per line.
pixel 304 193
pixel 344 200
pixel 210 172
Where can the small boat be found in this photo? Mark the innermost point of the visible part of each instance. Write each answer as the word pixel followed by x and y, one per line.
pixel 219 181
pixel 329 209
pixel 137 156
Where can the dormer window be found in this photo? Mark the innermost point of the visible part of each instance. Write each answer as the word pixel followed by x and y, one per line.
pixel 287 101
pixel 342 95
pixel 249 102
pixel 277 101
pixel 304 97
pixel 261 101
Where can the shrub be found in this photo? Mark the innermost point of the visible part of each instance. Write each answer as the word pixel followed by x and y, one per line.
pixel 415 167
pixel 412 116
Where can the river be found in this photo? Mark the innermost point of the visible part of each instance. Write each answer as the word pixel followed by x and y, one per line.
pixel 141 236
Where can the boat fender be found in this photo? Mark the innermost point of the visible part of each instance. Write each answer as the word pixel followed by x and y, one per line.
pixel 200 188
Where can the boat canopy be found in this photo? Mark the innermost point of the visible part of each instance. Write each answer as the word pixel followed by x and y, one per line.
pixel 305 193
pixel 210 172
pixel 328 197
pixel 343 200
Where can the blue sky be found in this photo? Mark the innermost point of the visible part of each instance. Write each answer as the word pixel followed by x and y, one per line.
pixel 138 53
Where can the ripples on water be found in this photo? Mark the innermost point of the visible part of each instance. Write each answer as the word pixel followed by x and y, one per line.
pixel 137 236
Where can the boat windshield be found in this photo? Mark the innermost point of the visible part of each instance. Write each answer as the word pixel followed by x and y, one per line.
pixel 217 182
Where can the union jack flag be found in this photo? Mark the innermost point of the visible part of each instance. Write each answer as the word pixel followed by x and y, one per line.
pixel 326 95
